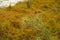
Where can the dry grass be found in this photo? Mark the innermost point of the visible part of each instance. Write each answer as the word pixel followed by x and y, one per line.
pixel 40 21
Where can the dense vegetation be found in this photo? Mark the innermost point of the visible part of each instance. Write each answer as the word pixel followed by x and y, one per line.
pixel 33 20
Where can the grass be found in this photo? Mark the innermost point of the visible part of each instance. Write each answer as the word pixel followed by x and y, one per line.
pixel 23 23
